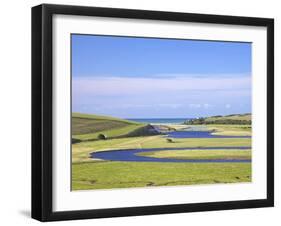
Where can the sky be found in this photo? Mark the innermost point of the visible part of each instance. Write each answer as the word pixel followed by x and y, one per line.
pixel 131 77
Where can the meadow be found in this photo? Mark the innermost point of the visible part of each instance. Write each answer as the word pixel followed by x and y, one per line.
pixel 107 175
pixel 93 173
pixel 200 154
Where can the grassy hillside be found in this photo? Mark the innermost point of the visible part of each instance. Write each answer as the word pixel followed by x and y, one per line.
pixel 87 127
pixel 235 119
pixel 85 124
pixel 246 117
pixel 102 117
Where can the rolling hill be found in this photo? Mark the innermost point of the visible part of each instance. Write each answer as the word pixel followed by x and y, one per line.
pixel 87 127
pixel 239 119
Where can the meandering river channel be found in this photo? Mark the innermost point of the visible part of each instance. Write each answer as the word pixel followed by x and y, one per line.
pixel 131 155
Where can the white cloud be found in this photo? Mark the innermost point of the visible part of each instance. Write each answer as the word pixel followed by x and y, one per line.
pixel 194 105
pixel 228 106
pixel 160 96
pixel 207 106
pixel 112 86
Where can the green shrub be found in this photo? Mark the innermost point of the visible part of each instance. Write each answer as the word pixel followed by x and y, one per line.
pixel 169 140
pixel 102 136
pixel 74 140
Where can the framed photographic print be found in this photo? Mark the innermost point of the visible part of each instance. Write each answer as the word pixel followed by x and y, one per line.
pixel 145 112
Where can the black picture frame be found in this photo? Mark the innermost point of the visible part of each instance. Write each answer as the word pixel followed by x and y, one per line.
pixel 42 107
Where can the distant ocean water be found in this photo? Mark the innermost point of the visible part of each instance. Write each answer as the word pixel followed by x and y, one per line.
pixel 160 120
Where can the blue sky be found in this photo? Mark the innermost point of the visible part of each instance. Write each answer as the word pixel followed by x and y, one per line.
pixel 159 78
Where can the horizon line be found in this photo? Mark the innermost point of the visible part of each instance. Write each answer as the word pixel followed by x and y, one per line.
pixel 182 117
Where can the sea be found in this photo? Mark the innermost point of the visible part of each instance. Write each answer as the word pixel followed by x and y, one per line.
pixel 160 120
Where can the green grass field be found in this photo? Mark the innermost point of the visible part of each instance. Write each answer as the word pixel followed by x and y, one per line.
pixel 88 173
pixel 105 175
pixel 231 130
pixel 200 154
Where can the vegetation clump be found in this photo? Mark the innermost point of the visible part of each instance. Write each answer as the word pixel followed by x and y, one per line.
pixel 74 140
pixel 102 136
pixel 169 140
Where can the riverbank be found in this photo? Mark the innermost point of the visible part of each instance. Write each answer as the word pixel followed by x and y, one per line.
pixel 88 173
pixel 187 154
